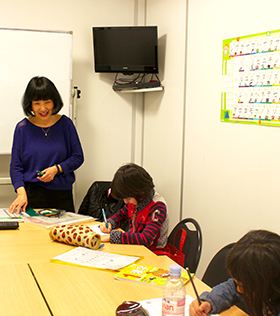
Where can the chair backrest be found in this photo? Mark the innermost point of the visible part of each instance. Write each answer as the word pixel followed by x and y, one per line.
pixel 193 242
pixel 216 271
pixel 99 197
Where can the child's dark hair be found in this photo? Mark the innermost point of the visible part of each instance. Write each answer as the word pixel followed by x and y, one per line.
pixel 41 88
pixel 133 181
pixel 254 261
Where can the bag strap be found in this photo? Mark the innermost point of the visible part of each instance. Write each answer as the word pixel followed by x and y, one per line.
pixel 161 252
pixel 183 238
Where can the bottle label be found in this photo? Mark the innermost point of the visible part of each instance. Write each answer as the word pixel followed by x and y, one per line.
pixel 172 306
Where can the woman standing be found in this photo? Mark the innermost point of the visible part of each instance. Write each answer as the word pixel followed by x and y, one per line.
pixel 46 151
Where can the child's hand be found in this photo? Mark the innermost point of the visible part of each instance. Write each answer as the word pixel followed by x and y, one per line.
pixel 104 229
pixel 199 310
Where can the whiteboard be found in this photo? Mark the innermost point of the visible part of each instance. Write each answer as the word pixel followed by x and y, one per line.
pixel 25 54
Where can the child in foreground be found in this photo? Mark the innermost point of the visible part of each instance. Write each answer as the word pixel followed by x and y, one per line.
pixel 254 266
pixel 144 209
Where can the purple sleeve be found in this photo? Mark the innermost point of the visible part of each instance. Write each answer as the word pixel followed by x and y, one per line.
pixel 76 158
pixel 16 166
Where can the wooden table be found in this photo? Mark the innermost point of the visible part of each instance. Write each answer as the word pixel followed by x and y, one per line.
pixel 19 292
pixel 31 243
pixel 35 286
pixel 78 291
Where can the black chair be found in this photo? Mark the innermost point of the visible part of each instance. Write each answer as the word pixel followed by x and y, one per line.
pixel 193 242
pixel 99 197
pixel 217 273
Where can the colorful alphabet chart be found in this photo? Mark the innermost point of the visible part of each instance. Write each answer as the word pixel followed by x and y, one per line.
pixel 251 79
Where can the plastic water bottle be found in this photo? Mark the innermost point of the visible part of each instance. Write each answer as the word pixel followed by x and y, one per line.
pixel 174 293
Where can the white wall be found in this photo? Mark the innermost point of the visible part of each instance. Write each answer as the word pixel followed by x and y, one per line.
pixel 164 113
pixel 231 182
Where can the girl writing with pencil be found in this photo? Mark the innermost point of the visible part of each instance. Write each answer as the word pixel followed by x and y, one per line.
pixel 144 209
pixel 254 265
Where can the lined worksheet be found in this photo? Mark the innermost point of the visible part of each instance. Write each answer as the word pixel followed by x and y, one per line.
pixel 95 259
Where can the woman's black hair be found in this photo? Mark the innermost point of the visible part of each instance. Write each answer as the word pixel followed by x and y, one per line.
pixel 133 181
pixel 254 262
pixel 41 88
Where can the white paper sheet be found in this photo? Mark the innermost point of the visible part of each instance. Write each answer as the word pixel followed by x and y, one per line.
pixel 97 230
pixel 96 259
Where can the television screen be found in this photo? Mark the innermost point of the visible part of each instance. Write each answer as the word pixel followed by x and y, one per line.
pixel 128 50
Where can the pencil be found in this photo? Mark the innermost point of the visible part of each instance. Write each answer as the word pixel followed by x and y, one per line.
pixel 194 288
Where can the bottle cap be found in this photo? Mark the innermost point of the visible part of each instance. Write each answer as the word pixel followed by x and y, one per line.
pixel 175 270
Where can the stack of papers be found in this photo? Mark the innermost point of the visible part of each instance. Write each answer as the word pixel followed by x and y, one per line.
pixel 65 218
pixel 5 216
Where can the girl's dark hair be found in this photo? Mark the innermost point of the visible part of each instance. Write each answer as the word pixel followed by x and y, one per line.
pixel 133 181
pixel 41 88
pixel 254 261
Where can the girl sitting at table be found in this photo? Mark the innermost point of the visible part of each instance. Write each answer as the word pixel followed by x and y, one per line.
pixel 144 209
pixel 254 265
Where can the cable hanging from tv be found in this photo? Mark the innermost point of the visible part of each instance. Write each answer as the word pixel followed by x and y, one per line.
pixel 140 81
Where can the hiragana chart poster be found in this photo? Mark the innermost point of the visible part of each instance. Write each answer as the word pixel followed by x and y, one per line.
pixel 251 79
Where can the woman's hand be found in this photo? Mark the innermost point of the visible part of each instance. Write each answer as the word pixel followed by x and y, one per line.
pixel 49 174
pixel 199 310
pixel 104 229
pixel 20 202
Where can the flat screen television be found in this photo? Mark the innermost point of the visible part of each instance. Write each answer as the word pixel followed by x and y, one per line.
pixel 126 49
